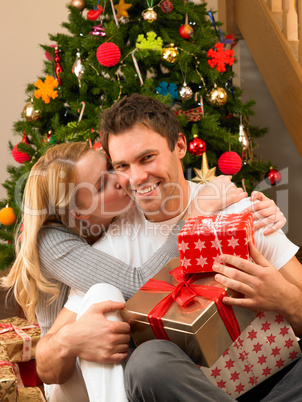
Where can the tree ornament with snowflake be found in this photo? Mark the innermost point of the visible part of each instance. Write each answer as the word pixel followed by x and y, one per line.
pixel 150 42
pixel 46 89
pixel 220 57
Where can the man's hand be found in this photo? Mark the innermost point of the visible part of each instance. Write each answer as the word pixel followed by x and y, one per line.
pixel 216 195
pixel 265 213
pixel 96 339
pixel 259 286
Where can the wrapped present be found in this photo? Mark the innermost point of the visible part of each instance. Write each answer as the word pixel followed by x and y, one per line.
pixel 19 338
pixel 29 373
pixel 187 310
pixel 266 346
pixel 8 380
pixel 203 239
pixel 31 394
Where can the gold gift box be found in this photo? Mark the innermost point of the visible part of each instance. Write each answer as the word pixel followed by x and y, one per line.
pixel 30 394
pixel 197 329
pixel 14 343
pixel 8 381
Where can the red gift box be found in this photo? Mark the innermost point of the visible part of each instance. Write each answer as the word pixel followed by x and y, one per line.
pixel 266 346
pixel 203 239
pixel 29 374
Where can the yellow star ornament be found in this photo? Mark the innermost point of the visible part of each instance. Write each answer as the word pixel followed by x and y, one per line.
pixel 121 9
pixel 204 174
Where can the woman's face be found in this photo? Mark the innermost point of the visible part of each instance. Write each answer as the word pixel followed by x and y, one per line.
pixel 98 194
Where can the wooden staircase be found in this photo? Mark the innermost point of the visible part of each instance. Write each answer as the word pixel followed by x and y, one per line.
pixel 271 30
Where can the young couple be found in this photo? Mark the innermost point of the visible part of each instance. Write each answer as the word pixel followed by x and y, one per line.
pixel 70 185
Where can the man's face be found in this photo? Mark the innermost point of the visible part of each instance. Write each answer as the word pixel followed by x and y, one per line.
pixel 149 172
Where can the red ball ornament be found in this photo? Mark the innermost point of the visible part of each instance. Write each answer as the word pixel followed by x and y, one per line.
pixel 186 31
pixel 273 176
pixel 166 6
pixel 20 156
pixel 196 146
pixel 108 54
pixel 229 163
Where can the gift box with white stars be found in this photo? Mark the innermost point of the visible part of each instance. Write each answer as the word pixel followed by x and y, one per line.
pixel 203 239
pixel 266 346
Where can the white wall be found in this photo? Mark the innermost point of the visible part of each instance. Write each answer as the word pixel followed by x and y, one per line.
pixel 25 25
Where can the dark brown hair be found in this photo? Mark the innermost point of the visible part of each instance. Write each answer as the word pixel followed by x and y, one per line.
pixel 140 109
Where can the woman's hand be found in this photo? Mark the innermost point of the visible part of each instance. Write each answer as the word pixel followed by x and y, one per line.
pixel 265 213
pixel 215 196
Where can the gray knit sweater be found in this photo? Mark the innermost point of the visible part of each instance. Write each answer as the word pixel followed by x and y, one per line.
pixel 68 260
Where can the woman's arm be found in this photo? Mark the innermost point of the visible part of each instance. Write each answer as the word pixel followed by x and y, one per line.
pixel 69 259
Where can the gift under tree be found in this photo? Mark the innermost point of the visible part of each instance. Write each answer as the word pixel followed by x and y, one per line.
pixel 172 50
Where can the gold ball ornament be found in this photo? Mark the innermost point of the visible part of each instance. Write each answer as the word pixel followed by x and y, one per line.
pixel 218 96
pixel 7 216
pixel 149 15
pixel 79 4
pixel 185 93
pixel 30 113
pixel 170 54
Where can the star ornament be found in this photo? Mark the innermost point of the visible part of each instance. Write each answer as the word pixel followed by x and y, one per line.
pixel 204 174
pixel 121 9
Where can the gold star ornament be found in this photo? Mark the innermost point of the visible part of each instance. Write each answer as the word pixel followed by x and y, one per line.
pixel 121 9
pixel 204 174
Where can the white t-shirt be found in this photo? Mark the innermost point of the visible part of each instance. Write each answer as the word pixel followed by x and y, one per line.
pixel 133 239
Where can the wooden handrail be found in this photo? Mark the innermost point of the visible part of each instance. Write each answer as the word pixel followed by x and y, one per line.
pixel 275 60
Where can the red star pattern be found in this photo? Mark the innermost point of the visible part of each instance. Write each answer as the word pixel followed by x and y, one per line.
pixel 266 372
pixel 226 353
pixel 261 314
pixel 289 343
pixel 238 343
pixel 276 351
pixel 279 319
pixel 221 384
pixel 243 355
pixel 280 363
pixel 234 376
pixel 271 339
pixel 284 331
pixel 239 388
pixel 196 242
pixel 215 372
pixel 293 355
pixel 247 368
pixel 257 347
pixel 262 359
pixel 229 363
pixel 265 326
pixel 253 380
pixel 252 334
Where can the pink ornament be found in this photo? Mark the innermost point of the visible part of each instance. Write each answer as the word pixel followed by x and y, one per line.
pixel 229 163
pixel 98 30
pixel 108 54
pixel 20 156
pixel 196 146
pixel 48 55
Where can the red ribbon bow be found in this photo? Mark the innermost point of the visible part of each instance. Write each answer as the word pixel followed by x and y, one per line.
pixel 183 294
pixel 192 114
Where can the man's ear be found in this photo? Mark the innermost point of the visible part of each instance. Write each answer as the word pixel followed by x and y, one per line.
pixel 181 146
pixel 77 215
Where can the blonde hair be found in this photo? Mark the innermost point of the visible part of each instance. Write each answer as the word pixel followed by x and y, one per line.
pixel 48 198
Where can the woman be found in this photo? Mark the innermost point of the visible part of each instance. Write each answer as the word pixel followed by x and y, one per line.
pixel 70 198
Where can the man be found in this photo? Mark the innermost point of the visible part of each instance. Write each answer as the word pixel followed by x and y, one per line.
pixel 146 146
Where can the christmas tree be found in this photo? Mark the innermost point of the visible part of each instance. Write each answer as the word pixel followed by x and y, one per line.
pixel 172 50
